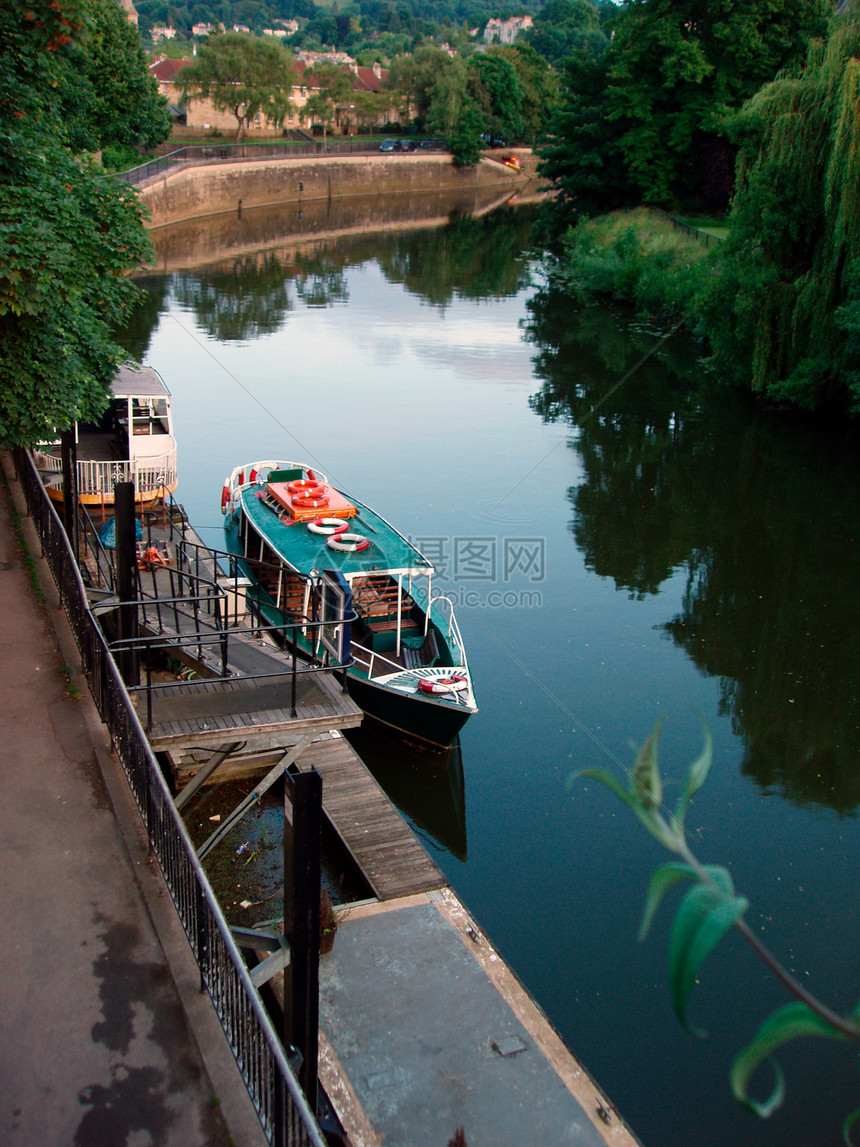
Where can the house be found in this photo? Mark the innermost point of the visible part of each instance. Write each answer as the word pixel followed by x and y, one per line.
pixel 506 31
pixel 202 116
pixel 164 71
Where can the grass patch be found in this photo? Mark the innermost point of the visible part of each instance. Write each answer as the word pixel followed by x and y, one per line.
pixel 637 257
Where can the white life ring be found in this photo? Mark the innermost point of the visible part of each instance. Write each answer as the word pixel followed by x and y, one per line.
pixel 453 684
pixel 328 526
pixel 348 543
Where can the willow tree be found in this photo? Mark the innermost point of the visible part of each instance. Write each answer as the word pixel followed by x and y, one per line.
pixel 783 313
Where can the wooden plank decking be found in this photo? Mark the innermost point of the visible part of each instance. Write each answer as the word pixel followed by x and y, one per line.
pixel 253 710
pixel 382 843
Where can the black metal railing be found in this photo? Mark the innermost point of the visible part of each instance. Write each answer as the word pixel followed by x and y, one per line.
pixel 285 1115
pixel 200 154
pixel 694 232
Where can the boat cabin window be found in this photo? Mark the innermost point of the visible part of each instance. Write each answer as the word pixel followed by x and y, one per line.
pixel 149 416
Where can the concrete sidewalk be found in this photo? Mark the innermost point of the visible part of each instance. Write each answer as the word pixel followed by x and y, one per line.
pixel 106 1039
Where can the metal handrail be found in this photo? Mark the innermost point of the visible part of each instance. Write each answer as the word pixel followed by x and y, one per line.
pixel 453 627
pixel 205 154
pixel 283 1110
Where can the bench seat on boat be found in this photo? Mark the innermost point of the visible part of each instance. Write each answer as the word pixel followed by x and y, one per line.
pixel 422 655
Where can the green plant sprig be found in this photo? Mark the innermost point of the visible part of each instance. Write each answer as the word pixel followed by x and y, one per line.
pixel 706 913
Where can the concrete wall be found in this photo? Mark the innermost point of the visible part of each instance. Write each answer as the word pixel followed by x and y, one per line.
pixel 195 192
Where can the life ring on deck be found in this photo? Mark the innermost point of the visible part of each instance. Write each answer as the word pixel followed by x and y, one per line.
pixel 453 684
pixel 328 526
pixel 304 485
pixel 348 543
pixel 315 500
pixel 225 498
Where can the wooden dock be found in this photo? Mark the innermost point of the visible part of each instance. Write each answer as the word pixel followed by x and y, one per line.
pixel 254 710
pixel 381 842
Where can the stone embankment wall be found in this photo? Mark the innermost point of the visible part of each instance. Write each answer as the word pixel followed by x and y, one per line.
pixel 195 192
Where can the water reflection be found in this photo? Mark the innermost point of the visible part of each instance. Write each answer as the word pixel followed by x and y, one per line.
pixel 427 787
pixel 248 299
pixel 760 513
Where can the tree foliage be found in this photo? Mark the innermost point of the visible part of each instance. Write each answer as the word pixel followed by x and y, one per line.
pixel 564 28
pixel 107 95
pixel 783 313
pixel 241 74
pixel 67 235
pixel 655 106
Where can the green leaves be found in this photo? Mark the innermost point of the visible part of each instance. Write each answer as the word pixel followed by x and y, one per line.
pixel 706 912
pixel 790 1022
pixel 704 916
pixel 645 795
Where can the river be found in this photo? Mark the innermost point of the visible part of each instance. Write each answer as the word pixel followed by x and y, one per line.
pixel 626 542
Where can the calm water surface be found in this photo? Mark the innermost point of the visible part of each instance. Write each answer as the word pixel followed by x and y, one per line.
pixel 619 554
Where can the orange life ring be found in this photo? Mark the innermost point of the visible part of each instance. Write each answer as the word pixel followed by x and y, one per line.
pixel 225 498
pixel 304 485
pixel 347 543
pixel 441 685
pixel 313 501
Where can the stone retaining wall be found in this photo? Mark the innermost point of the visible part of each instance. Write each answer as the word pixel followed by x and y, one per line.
pixel 195 192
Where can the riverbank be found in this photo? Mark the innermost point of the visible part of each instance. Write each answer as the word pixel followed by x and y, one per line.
pixel 194 192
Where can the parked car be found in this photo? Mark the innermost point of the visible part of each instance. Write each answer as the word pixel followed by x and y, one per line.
pixel 388 145
pixel 432 145
pixel 405 145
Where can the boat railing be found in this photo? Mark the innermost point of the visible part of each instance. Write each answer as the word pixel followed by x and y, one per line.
pixel 149 475
pixel 367 659
pixel 454 636
pixel 283 1110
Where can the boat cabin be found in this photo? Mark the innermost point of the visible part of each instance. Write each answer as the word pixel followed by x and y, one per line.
pixel 132 442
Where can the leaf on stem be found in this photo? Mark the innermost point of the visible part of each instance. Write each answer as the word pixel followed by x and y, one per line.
pixel 853 1118
pixel 666 877
pixel 792 1021
pixel 697 774
pixel 704 916
pixel 646 783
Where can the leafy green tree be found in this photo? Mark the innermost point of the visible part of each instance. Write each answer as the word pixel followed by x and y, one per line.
pixel 538 85
pixel 565 27
pixel 334 90
pixel 783 313
pixel 67 237
pixel 107 95
pixel 583 158
pixel 495 89
pixel 242 74
pixel 673 71
pixel 414 78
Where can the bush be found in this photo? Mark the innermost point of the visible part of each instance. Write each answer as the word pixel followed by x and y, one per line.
pixel 636 257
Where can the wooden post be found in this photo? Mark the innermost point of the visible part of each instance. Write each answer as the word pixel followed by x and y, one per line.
pixel 302 924
pixel 126 578
pixel 69 455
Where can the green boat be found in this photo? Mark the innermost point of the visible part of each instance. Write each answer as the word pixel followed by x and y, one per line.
pixel 302 544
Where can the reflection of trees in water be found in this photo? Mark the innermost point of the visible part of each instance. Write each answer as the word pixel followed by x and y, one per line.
pixel 320 279
pixel 473 258
pixel 135 335
pixel 761 511
pixel 249 300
